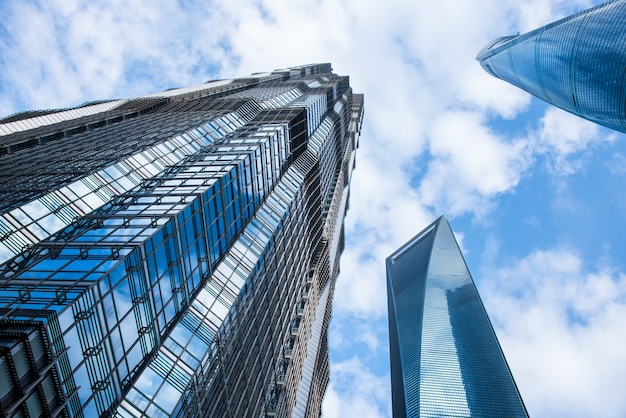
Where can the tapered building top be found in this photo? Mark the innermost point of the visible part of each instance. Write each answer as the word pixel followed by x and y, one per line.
pixel 576 63
pixel 445 357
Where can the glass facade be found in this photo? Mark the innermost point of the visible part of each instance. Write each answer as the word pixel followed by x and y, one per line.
pixel 175 254
pixel 577 63
pixel 445 358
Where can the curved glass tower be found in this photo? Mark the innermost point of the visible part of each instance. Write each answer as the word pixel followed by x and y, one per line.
pixel 577 63
pixel 445 357
pixel 175 255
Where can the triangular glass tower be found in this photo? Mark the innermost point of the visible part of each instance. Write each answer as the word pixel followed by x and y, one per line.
pixel 445 357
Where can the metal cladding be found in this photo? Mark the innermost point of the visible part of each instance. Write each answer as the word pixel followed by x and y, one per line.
pixel 175 254
pixel 577 63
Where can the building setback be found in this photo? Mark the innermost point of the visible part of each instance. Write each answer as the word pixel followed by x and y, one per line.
pixel 576 63
pixel 445 357
pixel 175 254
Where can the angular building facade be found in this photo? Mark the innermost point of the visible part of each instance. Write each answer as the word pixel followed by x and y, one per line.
pixel 576 63
pixel 175 254
pixel 445 358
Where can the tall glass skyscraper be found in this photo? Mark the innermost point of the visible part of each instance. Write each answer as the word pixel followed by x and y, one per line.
pixel 577 63
pixel 175 254
pixel 445 358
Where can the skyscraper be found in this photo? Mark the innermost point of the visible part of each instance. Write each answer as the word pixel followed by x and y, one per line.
pixel 175 254
pixel 576 63
pixel 445 358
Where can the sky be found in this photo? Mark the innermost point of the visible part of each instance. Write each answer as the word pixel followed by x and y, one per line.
pixel 533 194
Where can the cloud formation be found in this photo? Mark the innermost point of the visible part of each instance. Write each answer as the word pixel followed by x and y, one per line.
pixel 440 137
pixel 563 137
pixel 561 326
pixel 362 393
pixel 470 163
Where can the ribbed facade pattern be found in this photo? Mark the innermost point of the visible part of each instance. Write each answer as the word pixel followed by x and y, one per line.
pixel 577 63
pixel 175 254
pixel 445 358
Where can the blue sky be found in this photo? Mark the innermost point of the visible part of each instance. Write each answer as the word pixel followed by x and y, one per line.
pixel 534 195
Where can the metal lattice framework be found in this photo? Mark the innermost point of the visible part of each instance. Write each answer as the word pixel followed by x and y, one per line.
pixel 159 242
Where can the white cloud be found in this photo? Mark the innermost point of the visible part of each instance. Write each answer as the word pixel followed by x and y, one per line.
pixel 564 137
pixel 562 329
pixel 469 165
pixel 368 333
pixel 63 53
pixel 427 148
pixel 490 94
pixel 532 14
pixel 354 391
pixel 361 287
pixel 617 165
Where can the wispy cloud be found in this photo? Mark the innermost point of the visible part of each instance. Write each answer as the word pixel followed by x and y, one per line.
pixel 561 326
pixel 355 391
pixel 62 52
pixel 564 137
pixel 469 164
pixel 428 147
